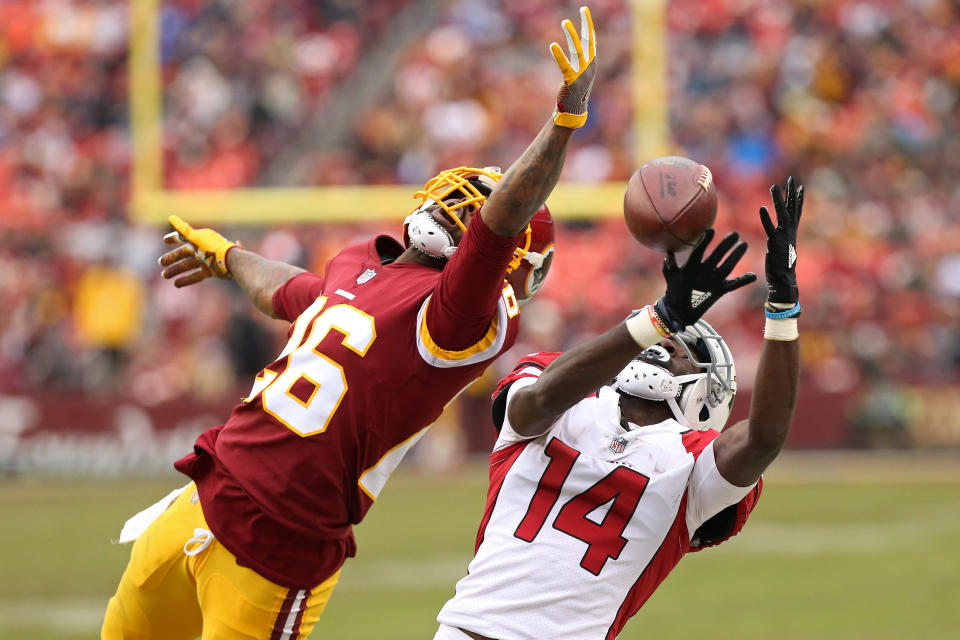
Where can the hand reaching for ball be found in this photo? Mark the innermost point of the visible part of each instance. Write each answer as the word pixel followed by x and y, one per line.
pixel 700 282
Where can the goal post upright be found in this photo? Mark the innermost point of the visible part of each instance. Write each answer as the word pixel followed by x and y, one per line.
pixel 651 127
pixel 151 202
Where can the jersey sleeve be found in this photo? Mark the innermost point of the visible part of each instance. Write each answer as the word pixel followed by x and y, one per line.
pixel 525 373
pixel 464 304
pixel 296 294
pixel 716 509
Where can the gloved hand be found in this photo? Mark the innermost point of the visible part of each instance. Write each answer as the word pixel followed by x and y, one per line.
pixel 699 283
pixel 579 71
pixel 201 249
pixel 781 259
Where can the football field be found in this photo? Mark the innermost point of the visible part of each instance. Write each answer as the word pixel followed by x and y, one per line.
pixel 840 546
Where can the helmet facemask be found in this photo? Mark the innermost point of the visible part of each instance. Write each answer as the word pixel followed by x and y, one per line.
pixel 700 400
pixel 453 192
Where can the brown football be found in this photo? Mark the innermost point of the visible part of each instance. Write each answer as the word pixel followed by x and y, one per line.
pixel 669 203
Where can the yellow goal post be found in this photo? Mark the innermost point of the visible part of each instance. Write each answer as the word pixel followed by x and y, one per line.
pixel 151 202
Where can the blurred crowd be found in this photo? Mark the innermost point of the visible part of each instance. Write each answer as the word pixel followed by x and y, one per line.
pixel 856 98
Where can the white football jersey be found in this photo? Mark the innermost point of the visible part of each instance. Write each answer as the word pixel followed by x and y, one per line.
pixel 585 521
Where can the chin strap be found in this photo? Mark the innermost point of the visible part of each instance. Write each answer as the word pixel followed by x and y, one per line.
pixel 535 259
pixel 677 414
pixel 672 402
pixel 428 236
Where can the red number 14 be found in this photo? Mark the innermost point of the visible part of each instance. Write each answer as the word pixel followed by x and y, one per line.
pixel 605 540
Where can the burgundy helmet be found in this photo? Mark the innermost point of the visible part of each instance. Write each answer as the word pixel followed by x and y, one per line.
pixel 532 258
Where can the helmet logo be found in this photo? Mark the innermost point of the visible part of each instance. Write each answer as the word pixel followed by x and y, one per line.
pixel 539 272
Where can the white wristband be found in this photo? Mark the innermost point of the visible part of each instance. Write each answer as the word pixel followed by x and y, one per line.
pixel 783 330
pixel 643 330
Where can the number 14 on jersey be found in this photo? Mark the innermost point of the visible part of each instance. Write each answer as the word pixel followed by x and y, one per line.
pixel 604 540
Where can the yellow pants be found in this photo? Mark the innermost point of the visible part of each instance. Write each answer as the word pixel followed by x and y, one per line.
pixel 166 594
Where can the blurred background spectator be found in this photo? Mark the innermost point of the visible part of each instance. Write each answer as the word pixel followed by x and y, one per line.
pixel 857 98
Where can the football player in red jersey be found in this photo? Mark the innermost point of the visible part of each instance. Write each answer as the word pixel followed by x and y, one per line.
pixel 379 344
pixel 601 481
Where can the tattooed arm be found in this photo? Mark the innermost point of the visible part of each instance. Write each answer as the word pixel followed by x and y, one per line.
pixel 203 253
pixel 259 278
pixel 527 183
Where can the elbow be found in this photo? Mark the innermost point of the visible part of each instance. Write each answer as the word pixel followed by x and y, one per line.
pixel 264 302
pixel 769 441
pixel 502 223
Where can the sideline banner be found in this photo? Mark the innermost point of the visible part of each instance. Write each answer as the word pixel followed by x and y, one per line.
pixel 73 433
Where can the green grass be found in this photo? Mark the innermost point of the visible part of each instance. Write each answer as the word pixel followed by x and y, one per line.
pixel 824 556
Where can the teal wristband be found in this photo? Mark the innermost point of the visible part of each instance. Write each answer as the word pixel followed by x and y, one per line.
pixel 783 315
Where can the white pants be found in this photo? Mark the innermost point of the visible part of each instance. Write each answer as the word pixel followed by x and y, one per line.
pixel 450 633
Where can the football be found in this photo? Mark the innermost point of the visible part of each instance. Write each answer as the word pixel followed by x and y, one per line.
pixel 669 203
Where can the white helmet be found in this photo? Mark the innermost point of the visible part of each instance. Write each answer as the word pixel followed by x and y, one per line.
pixel 701 400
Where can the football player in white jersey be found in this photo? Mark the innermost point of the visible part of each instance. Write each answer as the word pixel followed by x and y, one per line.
pixel 611 463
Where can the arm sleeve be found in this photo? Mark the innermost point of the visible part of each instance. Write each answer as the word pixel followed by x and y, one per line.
pixel 716 509
pixel 525 373
pixel 507 435
pixel 465 300
pixel 296 294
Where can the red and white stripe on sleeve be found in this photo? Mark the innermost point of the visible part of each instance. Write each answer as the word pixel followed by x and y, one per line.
pixel 530 366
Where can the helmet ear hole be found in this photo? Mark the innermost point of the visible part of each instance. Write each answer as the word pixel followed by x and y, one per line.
pixel 704 413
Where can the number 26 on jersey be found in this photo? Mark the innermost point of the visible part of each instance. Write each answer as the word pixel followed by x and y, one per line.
pixel 306 394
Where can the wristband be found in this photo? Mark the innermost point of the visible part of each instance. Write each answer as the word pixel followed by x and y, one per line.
pixel 223 262
pixel 569 120
pixel 645 327
pixel 772 312
pixel 783 330
pixel 658 322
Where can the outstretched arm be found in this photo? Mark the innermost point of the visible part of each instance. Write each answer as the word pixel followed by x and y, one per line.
pixel 573 376
pixel 744 450
pixel 204 253
pixel 527 183
pixel 525 186
pixel 260 278
pixel 747 448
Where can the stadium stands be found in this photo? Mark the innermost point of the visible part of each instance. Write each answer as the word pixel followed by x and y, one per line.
pixel 860 99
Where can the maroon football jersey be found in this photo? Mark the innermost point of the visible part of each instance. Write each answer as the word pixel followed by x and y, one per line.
pixel 375 353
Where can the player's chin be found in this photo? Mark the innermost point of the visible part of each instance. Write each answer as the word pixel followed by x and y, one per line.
pixel 443 219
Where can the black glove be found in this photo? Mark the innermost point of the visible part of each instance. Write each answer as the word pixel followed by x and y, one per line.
pixel 782 244
pixel 694 287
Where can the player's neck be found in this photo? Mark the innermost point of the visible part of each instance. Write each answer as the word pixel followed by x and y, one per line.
pixel 640 412
pixel 416 256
